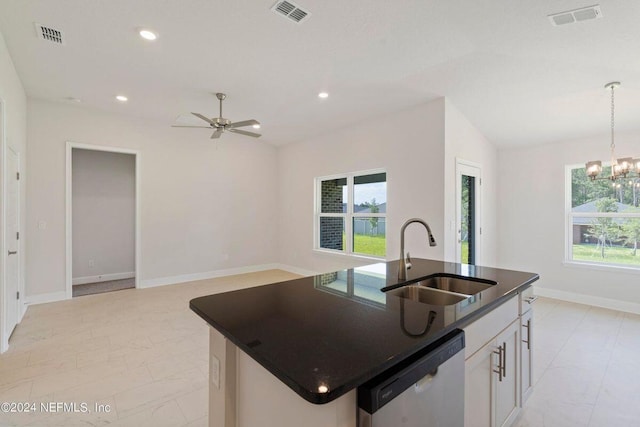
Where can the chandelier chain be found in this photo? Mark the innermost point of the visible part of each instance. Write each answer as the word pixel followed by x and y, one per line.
pixel 613 144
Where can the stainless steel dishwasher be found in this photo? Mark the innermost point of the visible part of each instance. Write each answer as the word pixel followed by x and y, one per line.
pixel 425 391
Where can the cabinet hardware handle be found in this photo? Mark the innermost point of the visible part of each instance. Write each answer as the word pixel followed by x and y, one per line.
pixel 504 361
pixel 531 300
pixel 528 340
pixel 13 252
pixel 499 371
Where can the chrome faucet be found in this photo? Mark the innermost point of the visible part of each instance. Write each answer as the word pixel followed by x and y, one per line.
pixel 405 264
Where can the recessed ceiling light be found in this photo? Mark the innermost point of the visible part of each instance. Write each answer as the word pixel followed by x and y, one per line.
pixel 148 34
pixel 323 95
pixel 256 126
pixel 122 98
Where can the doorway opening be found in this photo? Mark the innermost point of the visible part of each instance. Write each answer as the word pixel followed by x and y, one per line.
pixel 468 228
pixel 103 244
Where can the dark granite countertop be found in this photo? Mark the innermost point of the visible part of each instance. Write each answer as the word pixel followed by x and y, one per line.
pixel 327 334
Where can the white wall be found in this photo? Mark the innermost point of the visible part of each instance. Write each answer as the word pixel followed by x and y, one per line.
pixel 14 102
pixel 408 144
pixel 464 141
pixel 532 220
pixel 204 206
pixel 104 211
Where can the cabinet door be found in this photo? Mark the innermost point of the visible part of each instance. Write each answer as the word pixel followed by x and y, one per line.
pixel 479 392
pixel 526 349
pixel 507 390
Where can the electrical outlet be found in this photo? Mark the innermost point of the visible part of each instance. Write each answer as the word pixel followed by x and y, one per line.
pixel 92 263
pixel 214 371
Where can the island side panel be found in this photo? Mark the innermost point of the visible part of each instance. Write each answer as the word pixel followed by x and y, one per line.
pixel 244 394
pixel 222 380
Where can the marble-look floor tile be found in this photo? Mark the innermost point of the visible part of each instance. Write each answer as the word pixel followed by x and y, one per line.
pixel 101 348
pixel 152 394
pixel 194 405
pixel 165 414
pixel 559 415
pixel 201 422
pixel 143 352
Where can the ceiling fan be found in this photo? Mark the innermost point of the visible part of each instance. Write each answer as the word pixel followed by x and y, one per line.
pixel 220 124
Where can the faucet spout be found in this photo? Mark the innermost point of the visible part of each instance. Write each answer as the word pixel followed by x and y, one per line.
pixel 402 268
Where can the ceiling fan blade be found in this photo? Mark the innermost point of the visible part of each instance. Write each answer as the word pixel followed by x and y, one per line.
pixel 217 133
pixel 244 132
pixel 183 126
pixel 242 124
pixel 206 119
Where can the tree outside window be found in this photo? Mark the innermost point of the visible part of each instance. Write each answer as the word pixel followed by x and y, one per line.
pixel 603 220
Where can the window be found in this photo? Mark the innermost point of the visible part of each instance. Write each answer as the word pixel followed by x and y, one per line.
pixel 603 220
pixel 351 213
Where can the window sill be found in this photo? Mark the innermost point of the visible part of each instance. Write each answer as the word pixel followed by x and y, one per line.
pixel 347 255
pixel 610 268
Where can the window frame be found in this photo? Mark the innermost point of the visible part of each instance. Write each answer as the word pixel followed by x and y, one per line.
pixel 570 215
pixel 347 216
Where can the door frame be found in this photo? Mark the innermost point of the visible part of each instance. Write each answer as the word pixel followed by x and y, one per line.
pixel 69 208
pixel 4 341
pixel 461 167
pixel 4 147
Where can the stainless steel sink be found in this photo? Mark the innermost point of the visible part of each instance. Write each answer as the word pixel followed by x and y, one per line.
pixel 456 284
pixel 427 295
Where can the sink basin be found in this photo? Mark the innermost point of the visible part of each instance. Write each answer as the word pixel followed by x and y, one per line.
pixel 456 284
pixel 426 295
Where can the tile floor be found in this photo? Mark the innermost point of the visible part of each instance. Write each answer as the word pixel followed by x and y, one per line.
pixel 586 367
pixel 144 353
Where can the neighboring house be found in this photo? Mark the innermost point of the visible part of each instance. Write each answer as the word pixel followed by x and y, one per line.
pixel 581 224
pixel 382 208
pixel 364 226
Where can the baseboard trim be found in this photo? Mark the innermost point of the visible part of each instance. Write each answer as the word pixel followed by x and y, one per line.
pixel 628 307
pixel 45 298
pixel 295 270
pixel 102 278
pixel 172 280
pixel 162 281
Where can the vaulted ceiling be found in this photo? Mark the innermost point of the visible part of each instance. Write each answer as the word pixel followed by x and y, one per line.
pixel 517 77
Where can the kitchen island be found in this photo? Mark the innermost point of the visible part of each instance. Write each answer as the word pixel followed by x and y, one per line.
pixel 300 348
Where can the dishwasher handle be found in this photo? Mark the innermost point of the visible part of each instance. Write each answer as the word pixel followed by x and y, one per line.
pixel 425 383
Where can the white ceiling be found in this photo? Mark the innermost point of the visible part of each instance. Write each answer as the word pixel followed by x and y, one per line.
pixel 519 79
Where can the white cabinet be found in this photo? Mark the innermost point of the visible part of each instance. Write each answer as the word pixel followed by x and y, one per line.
pixel 526 344
pixel 526 364
pixel 492 367
pixel 491 381
pixel 506 384
pixel 479 393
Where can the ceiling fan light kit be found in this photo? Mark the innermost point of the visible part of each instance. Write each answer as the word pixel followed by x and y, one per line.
pixel 221 125
pixel 622 168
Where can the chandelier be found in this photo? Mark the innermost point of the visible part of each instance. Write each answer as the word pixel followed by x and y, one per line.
pixel 620 168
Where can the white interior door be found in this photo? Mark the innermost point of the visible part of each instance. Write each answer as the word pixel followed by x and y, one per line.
pixel 12 277
pixel 468 225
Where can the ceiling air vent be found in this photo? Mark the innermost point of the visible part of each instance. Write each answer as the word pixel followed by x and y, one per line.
pixel 577 15
pixel 291 11
pixel 49 34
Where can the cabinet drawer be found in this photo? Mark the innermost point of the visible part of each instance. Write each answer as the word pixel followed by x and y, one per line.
pixel 478 333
